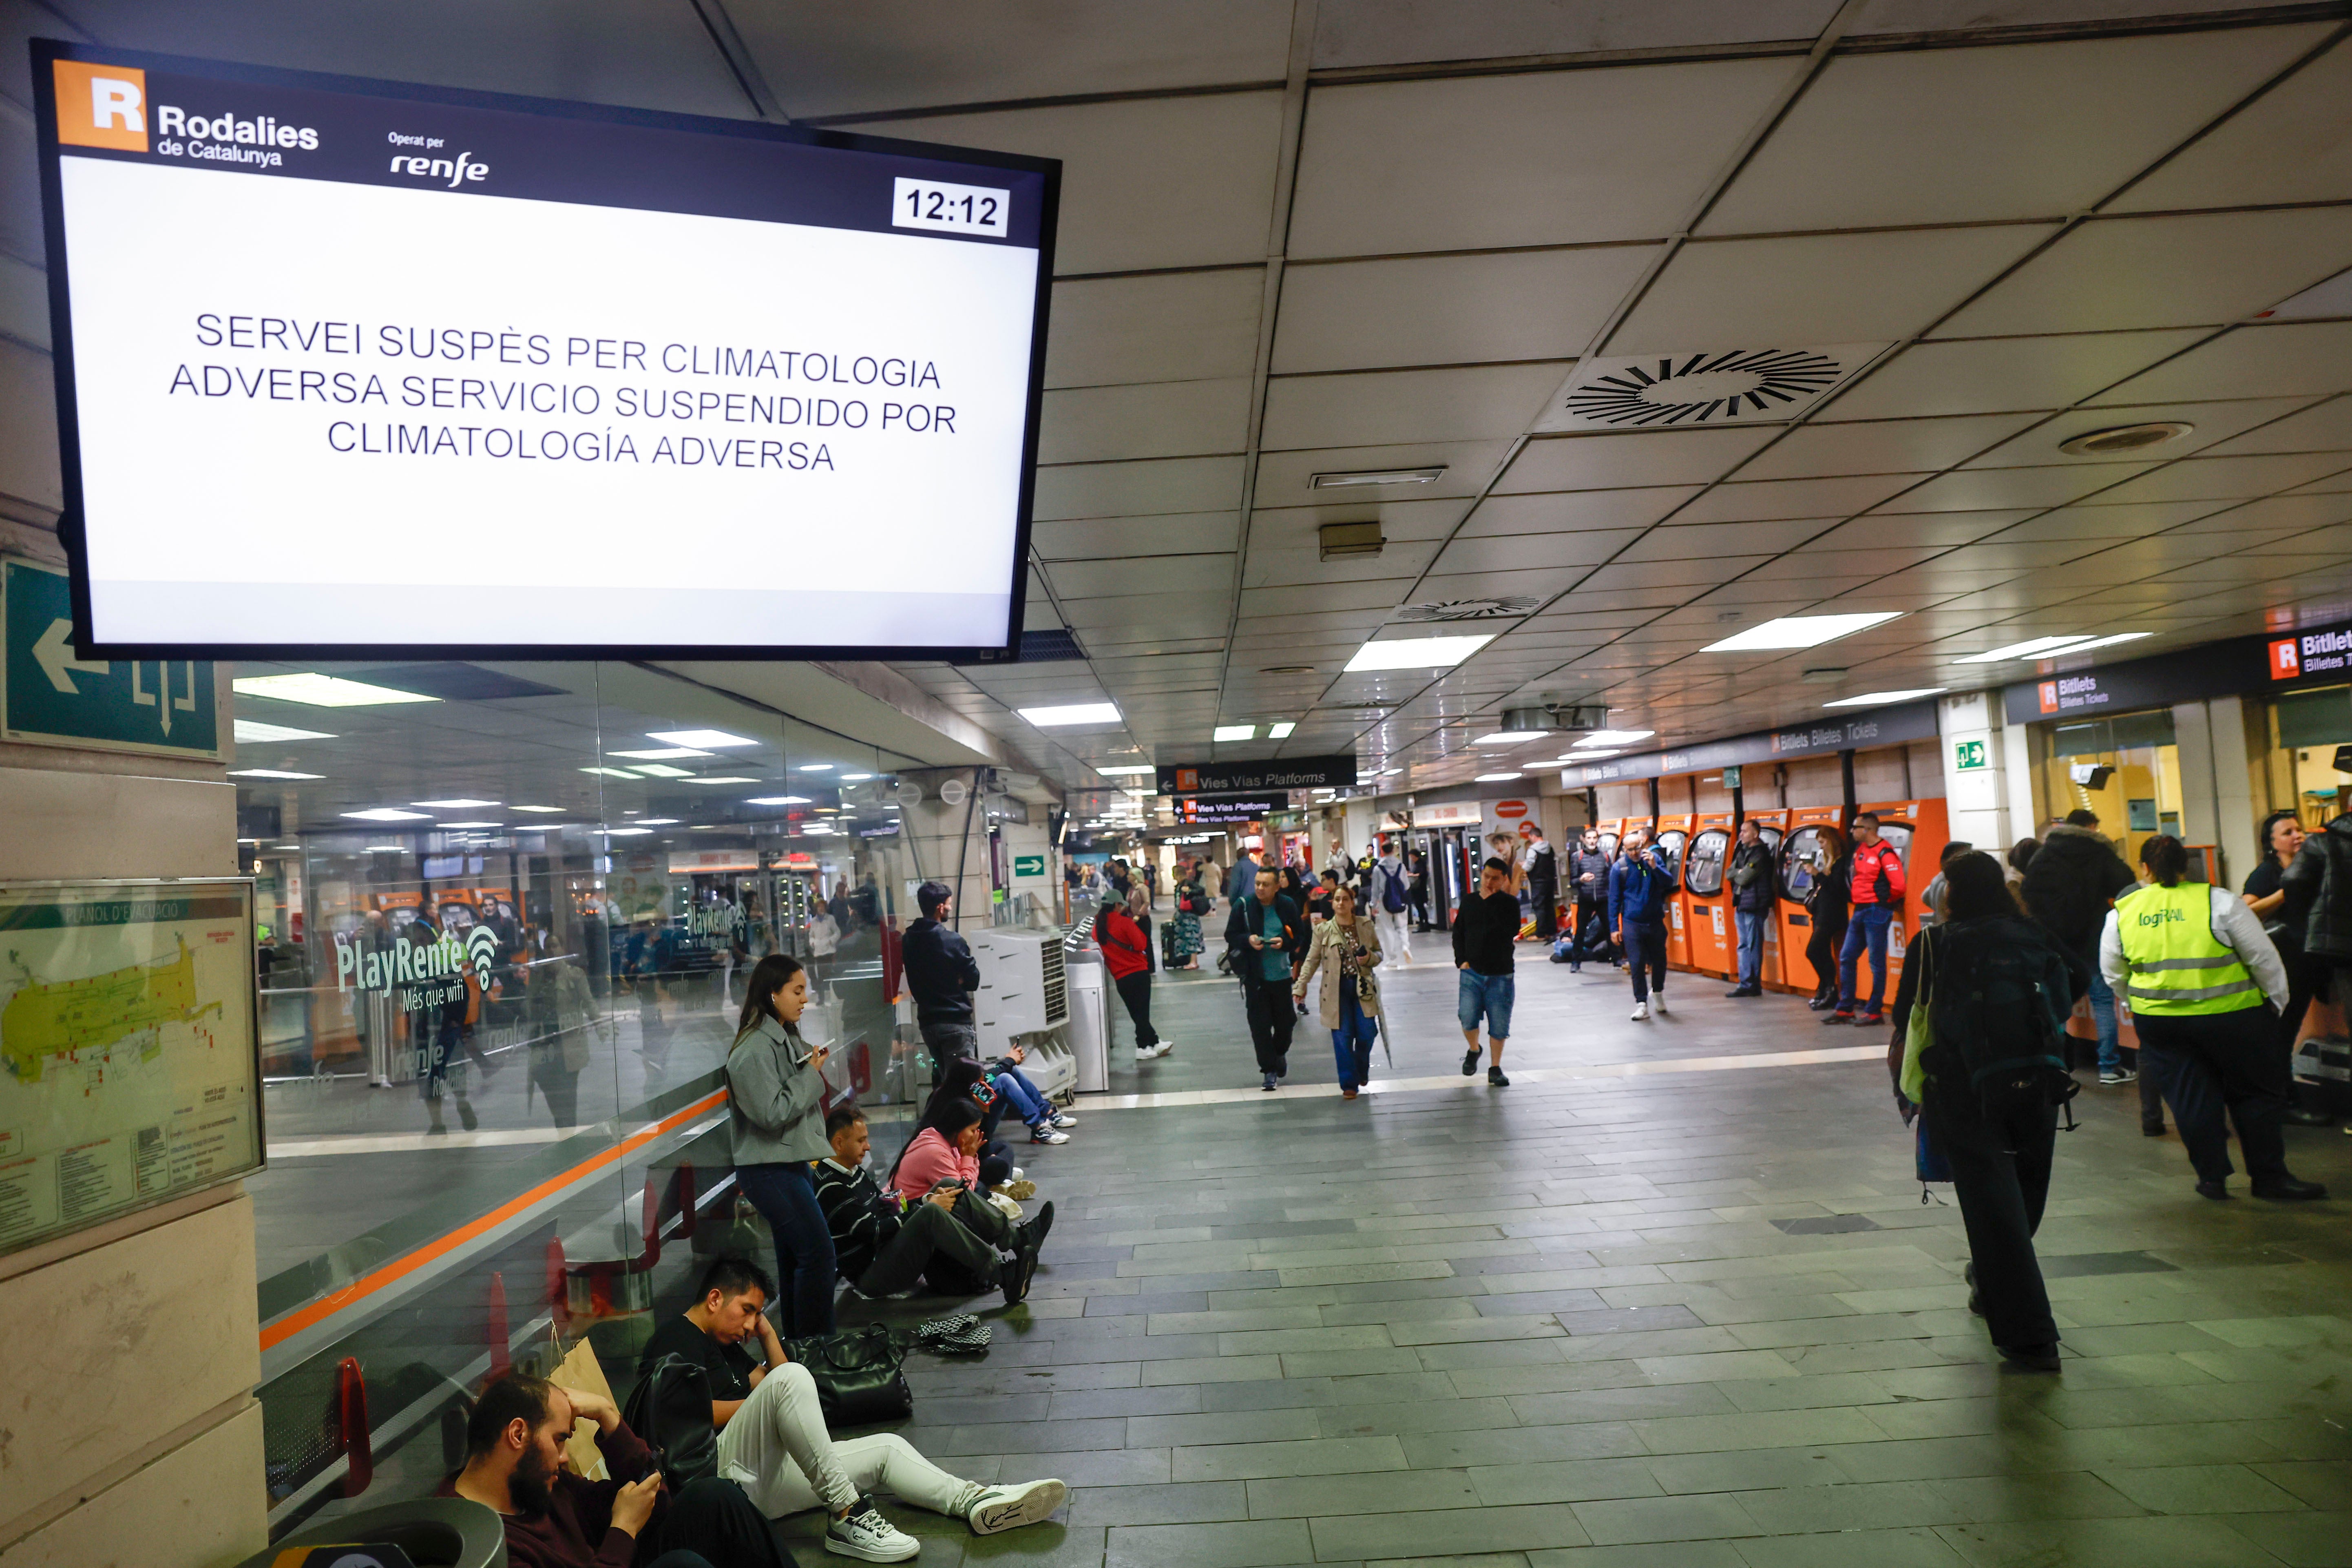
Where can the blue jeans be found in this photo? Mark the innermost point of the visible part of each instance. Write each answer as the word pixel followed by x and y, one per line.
pixel 1026 1102
pixel 1751 944
pixel 1865 929
pixel 2103 1013
pixel 1351 1043
pixel 1490 995
pixel 785 1196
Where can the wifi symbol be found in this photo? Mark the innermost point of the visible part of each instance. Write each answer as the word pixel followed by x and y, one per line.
pixel 482 952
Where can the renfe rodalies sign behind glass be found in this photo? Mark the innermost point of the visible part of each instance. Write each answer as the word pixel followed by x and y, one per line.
pixel 345 366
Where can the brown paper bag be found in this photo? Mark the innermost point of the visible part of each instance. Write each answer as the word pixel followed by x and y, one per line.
pixel 581 1370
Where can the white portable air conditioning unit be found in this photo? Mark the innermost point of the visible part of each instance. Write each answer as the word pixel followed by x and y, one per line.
pixel 1023 992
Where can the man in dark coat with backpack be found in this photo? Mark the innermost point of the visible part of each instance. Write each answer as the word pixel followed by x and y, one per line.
pixel 1988 1079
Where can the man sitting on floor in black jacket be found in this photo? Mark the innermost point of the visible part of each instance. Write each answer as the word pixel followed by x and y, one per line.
pixel 951 1238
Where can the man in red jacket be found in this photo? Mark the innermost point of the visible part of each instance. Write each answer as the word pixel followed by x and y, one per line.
pixel 1877 899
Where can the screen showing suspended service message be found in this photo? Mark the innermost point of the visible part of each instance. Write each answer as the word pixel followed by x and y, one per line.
pixel 355 366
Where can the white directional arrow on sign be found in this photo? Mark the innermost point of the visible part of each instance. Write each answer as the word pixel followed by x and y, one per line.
pixel 56 660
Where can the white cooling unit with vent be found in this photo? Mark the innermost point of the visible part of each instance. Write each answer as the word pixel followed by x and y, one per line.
pixel 1023 992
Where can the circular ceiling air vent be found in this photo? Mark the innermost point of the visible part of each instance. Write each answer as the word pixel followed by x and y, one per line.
pixel 1712 388
pixel 1468 609
pixel 2124 439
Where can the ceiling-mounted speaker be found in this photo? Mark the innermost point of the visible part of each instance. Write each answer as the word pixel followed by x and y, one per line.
pixel 1577 718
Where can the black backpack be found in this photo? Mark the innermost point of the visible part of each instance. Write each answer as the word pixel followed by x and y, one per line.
pixel 670 1410
pixel 2000 995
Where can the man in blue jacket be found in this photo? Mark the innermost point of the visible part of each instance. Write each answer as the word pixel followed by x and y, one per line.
pixel 1638 886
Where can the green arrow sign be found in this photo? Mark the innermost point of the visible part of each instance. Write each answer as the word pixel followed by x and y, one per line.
pixel 1028 865
pixel 50 697
pixel 1968 755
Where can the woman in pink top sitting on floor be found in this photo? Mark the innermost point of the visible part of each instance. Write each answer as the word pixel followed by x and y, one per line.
pixel 947 1151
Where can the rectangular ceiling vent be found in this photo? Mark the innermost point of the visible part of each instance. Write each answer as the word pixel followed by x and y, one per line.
pixel 1717 386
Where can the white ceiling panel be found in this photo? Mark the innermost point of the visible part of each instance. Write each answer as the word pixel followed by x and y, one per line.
pixel 1294 527
pixel 1879 447
pixel 2303 358
pixel 2203 268
pixel 1378 594
pixel 1688 575
pixel 1110 538
pixel 1513 551
pixel 1996 375
pixel 1968 490
pixel 2327 427
pixel 1712 540
pixel 1076 580
pixel 1935 136
pixel 1944 528
pixel 1451 310
pixel 1643 457
pixel 1577 509
pixel 2226 478
pixel 1168 326
pixel 1138 613
pixel 1146 182
pixel 1393 406
pixel 2104 522
pixel 2289 145
pixel 1816 289
pixel 1763 499
pixel 1543 158
pixel 2209 423
pixel 2293 512
pixel 1140 489
pixel 1279 568
pixel 1158 419
pixel 1286 478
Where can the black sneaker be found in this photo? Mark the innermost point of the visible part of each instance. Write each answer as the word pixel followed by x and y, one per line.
pixel 1839 1017
pixel 1976 1302
pixel 1017 1272
pixel 1495 1078
pixel 1470 1060
pixel 1035 1229
pixel 2031 1358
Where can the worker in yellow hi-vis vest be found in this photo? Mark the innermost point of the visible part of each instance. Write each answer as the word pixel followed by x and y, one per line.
pixel 2202 978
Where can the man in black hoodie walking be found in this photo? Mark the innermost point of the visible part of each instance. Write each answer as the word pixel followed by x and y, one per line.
pixel 941 975
pixel 2069 885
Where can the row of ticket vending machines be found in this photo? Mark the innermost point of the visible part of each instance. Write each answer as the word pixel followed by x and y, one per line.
pixel 1805 841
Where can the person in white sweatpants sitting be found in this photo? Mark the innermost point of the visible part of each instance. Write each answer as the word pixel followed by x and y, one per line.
pixel 773 1442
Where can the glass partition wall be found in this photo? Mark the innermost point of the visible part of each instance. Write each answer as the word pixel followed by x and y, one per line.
pixel 510 911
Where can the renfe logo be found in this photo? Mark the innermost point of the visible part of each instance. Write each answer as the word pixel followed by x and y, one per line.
pixel 2048 693
pixel 2287 660
pixel 101 106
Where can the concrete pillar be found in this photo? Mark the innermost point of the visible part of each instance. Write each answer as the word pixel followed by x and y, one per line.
pixel 941 839
pixel 2241 795
pixel 1975 780
pixel 2017 777
pixel 2192 736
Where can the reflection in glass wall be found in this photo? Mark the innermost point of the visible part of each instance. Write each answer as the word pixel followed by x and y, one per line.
pixel 2312 730
pixel 2126 769
pixel 507 914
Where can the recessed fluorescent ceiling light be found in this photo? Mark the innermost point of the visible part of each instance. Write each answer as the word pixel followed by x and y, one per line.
pixel 1869 698
pixel 473 825
pixel 453 805
pixel 1127 770
pixel 779 800
pixel 269 774
pixel 1493 778
pixel 1590 756
pixel 1508 738
pixel 1235 732
pixel 667 755
pixel 322 690
pixel 813 768
pixel 724 778
pixel 2106 642
pixel 1072 713
pixel 1280 730
pixel 383 848
pixel 1377 477
pixel 856 778
pixel 387 813
pixel 2029 648
pixel 613 772
pixel 556 809
pixel 1385 772
pixel 1799 631
pixel 663 771
pixel 718 738
pixel 254 733
pixel 658 822
pixel 626 832
pixel 1417 653
pixel 1615 737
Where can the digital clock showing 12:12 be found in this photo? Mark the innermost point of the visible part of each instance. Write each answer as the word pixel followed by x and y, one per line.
pixel 954 209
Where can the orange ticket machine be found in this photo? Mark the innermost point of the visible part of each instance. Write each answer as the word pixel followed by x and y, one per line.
pixel 1707 896
pixel 1674 837
pixel 1919 828
pixel 1774 827
pixel 1812 845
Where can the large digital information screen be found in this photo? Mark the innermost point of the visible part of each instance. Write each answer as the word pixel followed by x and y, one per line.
pixel 347 366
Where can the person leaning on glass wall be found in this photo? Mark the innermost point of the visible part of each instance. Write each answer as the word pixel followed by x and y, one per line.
pixel 775 1117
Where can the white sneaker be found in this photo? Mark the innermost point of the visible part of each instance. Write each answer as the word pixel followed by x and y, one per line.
pixel 1009 1508
pixel 1017 1173
pixel 865 1533
pixel 1658 1001
pixel 1063 1118
pixel 1641 1012
pixel 1049 1134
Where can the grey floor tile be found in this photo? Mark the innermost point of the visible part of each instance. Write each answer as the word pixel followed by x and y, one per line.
pixel 1564 1481
pixel 1314 1457
pixel 1246 1544
pixel 1182 1502
pixel 1399 1491
pixel 2201 1489
pixel 1449 1531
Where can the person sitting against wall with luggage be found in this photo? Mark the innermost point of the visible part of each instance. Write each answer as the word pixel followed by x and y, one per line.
pixel 555 1518
pixel 773 1438
pixel 950 1240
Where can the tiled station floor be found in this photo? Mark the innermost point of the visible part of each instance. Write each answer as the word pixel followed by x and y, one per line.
pixel 1693 1316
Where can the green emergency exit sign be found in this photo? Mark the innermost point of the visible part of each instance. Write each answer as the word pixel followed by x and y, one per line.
pixel 51 696
pixel 1968 756
pixel 1028 865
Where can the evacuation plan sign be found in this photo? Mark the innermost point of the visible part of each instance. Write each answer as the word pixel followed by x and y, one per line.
pixel 51 696
pixel 128 1072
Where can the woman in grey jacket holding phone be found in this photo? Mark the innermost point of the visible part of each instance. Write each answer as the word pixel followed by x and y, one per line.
pixel 775 1122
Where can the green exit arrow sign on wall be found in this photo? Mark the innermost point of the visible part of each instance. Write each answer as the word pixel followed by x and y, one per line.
pixel 50 696
pixel 1968 755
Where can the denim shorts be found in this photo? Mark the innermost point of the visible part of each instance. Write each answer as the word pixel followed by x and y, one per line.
pixel 1490 995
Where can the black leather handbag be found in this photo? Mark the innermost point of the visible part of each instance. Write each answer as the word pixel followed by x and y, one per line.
pixel 859 1374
